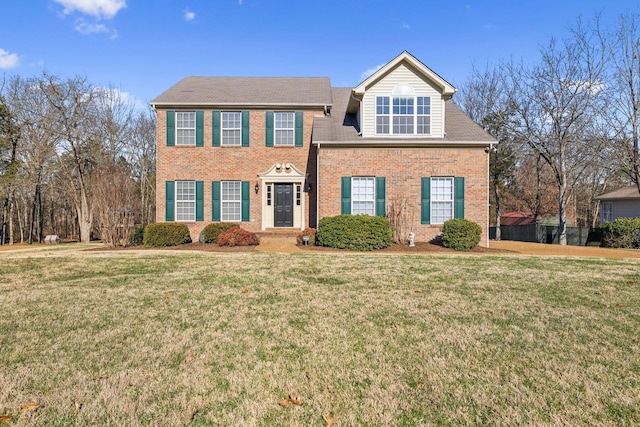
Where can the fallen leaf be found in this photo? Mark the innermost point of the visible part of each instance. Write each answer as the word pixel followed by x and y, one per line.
pixel 295 399
pixel 306 374
pixel 284 402
pixel 609 291
pixel 6 418
pixel 101 377
pixel 328 419
pixel 189 358
pixel 194 413
pixel 78 406
pixel 630 282
pixel 245 290
pixel 418 291
pixel 32 406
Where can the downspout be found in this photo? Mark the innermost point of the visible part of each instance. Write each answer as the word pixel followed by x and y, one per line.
pixel 317 185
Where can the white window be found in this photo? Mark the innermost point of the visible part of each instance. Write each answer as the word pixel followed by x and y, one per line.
pixel 403 115
pixel 382 114
pixel 363 196
pixel 284 129
pixel 231 201
pixel 185 128
pixel 231 128
pixel 607 211
pixel 423 124
pixel 408 115
pixel 185 200
pixel 441 200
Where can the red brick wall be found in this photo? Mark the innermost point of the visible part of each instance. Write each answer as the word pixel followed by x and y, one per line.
pixel 403 169
pixel 228 163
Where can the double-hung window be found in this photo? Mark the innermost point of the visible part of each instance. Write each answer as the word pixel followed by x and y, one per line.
pixel 284 128
pixel 441 200
pixel 185 200
pixel 607 211
pixel 231 201
pixel 408 115
pixel 231 128
pixel 185 128
pixel 363 195
pixel 382 114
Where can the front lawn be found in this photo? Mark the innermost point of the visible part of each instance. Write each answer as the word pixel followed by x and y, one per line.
pixel 178 338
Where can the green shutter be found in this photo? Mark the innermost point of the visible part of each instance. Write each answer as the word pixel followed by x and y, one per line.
pixel 269 129
pixel 199 128
pixel 246 213
pixel 299 128
pixel 215 201
pixel 381 186
pixel 199 200
pixel 171 128
pixel 170 194
pixel 458 197
pixel 245 128
pixel 346 195
pixel 425 201
pixel 215 138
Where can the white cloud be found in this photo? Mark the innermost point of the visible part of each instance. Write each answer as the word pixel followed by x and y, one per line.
pixel 7 60
pixel 366 73
pixel 240 2
pixel 406 26
pixel 98 8
pixel 87 28
pixel 188 15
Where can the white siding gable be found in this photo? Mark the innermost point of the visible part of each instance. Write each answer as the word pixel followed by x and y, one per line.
pixel 403 74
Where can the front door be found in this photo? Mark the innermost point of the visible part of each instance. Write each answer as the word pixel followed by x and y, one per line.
pixel 283 206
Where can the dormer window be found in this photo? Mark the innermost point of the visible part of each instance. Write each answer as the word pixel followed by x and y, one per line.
pixel 409 115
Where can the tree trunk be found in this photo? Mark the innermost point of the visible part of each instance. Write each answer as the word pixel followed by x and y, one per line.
pixel 496 195
pixel 85 219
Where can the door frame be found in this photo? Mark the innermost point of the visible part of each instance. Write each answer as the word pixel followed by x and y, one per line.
pixel 282 173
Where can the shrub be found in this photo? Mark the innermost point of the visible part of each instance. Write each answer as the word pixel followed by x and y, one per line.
pixel 212 231
pixel 237 236
pixel 358 232
pixel 311 232
pixel 460 234
pixel 621 233
pixel 137 237
pixel 166 234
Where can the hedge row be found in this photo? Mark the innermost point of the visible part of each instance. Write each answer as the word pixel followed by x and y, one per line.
pixel 356 232
pixel 621 233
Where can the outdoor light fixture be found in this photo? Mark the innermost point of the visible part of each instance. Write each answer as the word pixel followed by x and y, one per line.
pixel 257 187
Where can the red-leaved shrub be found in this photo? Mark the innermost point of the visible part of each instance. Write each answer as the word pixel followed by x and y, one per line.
pixel 237 236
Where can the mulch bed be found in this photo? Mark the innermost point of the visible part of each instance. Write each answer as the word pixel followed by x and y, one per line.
pixel 420 247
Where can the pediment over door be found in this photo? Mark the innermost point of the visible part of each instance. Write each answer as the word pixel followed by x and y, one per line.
pixel 282 172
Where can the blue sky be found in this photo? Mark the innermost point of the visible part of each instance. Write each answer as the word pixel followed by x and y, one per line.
pixel 142 47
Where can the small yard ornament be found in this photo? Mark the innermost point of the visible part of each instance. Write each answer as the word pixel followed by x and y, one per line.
pixel 412 239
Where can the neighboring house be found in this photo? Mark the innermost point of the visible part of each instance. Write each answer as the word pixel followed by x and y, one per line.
pixel 621 203
pixel 273 153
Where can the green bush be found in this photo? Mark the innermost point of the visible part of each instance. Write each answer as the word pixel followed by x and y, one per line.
pixel 137 237
pixel 311 232
pixel 460 234
pixel 166 234
pixel 236 236
pixel 357 232
pixel 212 231
pixel 621 233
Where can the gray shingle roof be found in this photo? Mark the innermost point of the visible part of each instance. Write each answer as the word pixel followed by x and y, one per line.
pixel 630 192
pixel 247 91
pixel 342 126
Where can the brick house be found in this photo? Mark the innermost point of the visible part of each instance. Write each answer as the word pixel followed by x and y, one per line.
pixel 285 152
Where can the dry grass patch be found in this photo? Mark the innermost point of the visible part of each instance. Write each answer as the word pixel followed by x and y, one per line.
pixel 175 338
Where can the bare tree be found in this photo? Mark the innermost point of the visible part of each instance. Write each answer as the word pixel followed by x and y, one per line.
pixel 483 99
pixel 77 125
pixel 552 105
pixel 621 129
pixel 113 195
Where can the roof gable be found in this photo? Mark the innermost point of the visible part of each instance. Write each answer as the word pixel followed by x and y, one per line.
pixel 445 87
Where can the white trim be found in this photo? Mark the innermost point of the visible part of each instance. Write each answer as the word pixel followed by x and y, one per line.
pixel 285 173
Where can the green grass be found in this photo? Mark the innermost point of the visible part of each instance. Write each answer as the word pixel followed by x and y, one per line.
pixel 176 338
